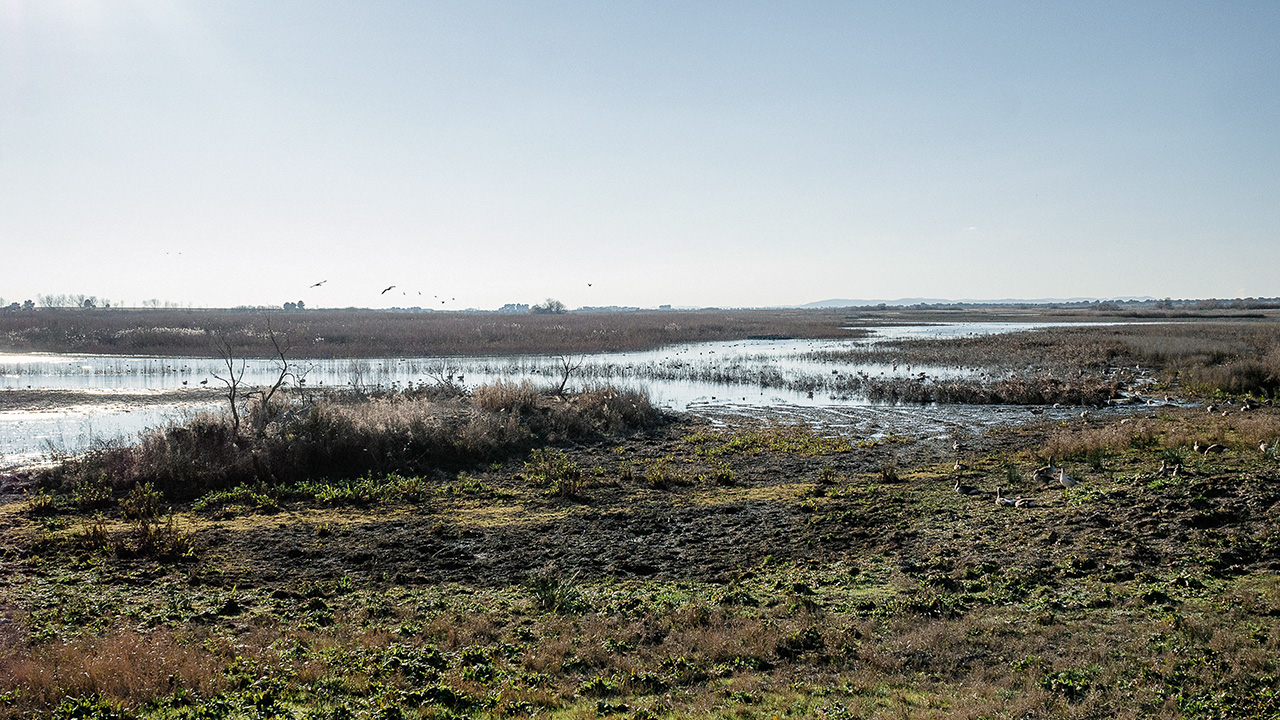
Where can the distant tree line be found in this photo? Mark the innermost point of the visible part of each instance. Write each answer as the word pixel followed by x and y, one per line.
pixel 549 307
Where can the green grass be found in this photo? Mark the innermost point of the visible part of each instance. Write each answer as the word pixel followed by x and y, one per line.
pixel 796 439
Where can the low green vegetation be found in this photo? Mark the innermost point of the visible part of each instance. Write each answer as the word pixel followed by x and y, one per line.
pixel 795 439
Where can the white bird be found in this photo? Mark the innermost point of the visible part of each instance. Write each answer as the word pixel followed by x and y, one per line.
pixel 1066 480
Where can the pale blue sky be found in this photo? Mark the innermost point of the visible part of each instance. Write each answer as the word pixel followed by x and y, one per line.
pixel 694 153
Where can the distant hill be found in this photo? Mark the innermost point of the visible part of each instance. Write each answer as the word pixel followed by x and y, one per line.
pixel 901 302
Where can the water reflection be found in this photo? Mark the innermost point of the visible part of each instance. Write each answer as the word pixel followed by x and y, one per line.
pixel 705 377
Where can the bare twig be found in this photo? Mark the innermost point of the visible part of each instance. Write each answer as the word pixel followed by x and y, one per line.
pixel 232 378
pixel 568 366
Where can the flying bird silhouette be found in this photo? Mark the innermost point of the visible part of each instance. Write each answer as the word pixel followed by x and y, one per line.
pixel 320 283
pixel 389 289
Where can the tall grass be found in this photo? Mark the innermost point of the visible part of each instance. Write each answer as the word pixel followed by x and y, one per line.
pixel 344 436
pixel 1241 432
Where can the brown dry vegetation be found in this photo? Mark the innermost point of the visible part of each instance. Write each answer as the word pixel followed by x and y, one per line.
pixel 342 435
pixel 1221 358
pixel 364 333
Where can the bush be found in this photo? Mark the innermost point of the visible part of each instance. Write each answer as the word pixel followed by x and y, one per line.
pixel 552 469
pixel 351 438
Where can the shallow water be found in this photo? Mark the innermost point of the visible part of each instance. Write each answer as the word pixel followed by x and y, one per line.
pixel 752 378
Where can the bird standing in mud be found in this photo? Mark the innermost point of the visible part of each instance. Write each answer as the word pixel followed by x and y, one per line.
pixel 1043 475
pixel 1066 480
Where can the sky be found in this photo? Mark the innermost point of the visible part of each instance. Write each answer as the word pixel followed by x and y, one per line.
pixel 735 154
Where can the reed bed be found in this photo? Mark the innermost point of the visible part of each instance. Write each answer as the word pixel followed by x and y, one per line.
pixel 366 333
pixel 1229 357
pixel 340 435
pixel 1033 388
pixel 1242 432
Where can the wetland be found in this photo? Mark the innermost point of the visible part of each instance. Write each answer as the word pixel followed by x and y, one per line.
pixel 531 540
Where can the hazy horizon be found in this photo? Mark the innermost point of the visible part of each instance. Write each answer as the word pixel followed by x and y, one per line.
pixel 72 301
pixel 634 154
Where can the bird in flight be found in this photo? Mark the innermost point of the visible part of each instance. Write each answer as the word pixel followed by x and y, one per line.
pixel 320 283
pixel 389 289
